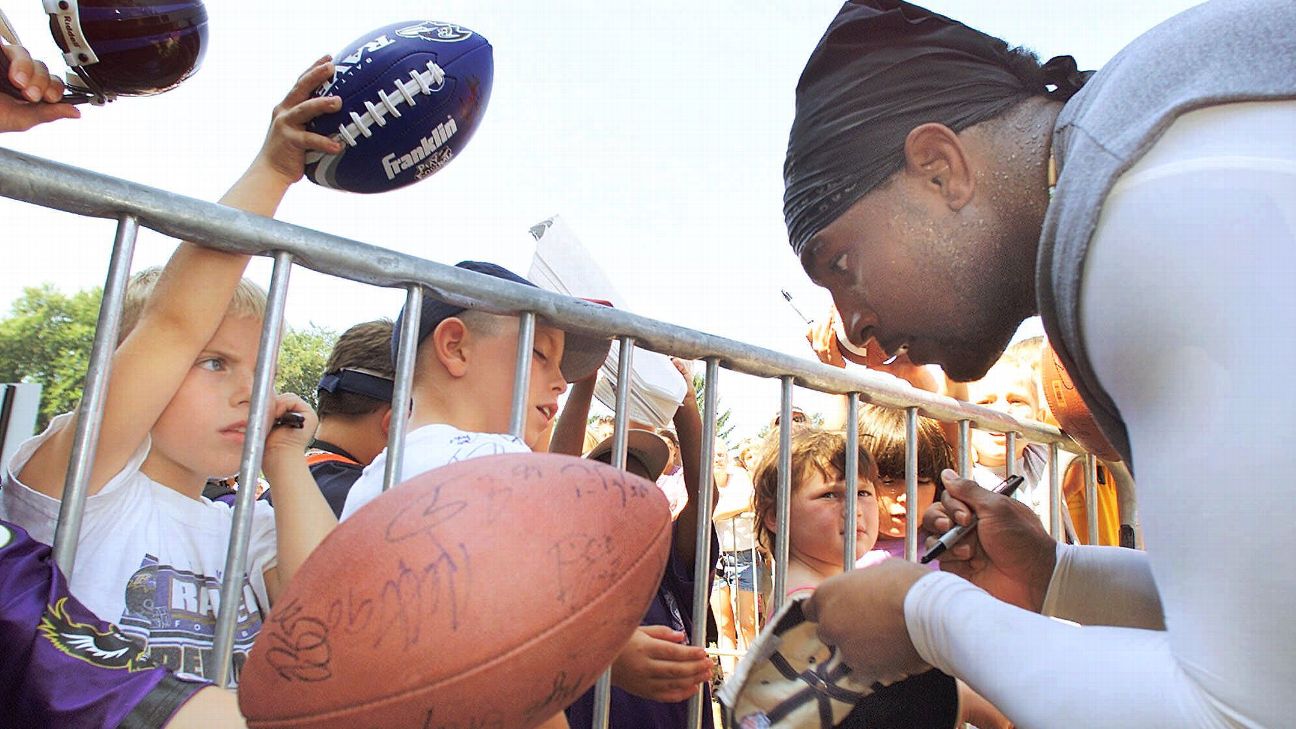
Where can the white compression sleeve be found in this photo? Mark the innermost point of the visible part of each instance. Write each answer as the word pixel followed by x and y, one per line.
pixel 1042 672
pixel 1121 576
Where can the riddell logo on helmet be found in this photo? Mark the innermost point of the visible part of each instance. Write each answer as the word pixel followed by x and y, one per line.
pixel 74 41
pixel 394 165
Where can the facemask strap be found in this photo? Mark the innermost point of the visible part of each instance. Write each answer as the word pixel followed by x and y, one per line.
pixel 79 54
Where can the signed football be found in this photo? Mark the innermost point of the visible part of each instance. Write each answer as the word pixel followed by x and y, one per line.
pixel 412 95
pixel 491 592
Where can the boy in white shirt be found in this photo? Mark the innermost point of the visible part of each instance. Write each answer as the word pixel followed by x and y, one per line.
pixel 463 386
pixel 151 549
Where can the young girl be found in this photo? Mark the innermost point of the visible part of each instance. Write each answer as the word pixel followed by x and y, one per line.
pixel 817 519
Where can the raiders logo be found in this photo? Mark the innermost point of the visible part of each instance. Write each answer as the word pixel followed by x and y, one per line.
pixel 86 642
pixel 432 30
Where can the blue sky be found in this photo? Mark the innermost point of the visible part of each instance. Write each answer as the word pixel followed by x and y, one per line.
pixel 657 130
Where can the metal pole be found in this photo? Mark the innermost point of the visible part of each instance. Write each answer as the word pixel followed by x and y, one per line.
pixel 1055 494
pixel 965 448
pixel 403 389
pixel 851 502
pixel 782 505
pixel 911 484
pixel 1010 455
pixel 231 592
pixel 702 552
pixel 620 444
pixel 522 375
pixel 90 412
pixel 1091 497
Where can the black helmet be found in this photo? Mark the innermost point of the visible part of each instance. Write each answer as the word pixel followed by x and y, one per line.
pixel 129 47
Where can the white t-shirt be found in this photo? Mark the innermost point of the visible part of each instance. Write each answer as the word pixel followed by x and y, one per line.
pixel 429 447
pixel 150 559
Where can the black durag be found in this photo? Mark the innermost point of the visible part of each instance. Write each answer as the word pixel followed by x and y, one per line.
pixel 883 68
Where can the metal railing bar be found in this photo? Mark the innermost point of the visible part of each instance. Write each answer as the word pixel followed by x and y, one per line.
pixel 263 392
pixel 403 388
pixel 62 187
pixel 67 529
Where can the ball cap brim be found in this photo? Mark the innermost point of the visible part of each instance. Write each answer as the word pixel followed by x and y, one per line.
pixel 582 355
pixel 645 446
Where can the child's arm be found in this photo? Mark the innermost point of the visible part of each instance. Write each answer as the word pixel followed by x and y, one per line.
pixel 688 426
pixel 302 516
pixel 569 432
pixel 188 303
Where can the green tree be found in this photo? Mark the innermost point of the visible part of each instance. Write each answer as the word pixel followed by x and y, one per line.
pixel 46 339
pixel 47 335
pixel 724 430
pixel 302 356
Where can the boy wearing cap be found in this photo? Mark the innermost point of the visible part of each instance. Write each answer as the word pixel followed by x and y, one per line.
pixel 463 385
pixel 354 409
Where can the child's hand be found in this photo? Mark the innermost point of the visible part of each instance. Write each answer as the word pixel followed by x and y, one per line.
pixel 683 369
pixel 32 80
pixel 657 665
pixel 288 141
pixel 823 340
pixel 288 439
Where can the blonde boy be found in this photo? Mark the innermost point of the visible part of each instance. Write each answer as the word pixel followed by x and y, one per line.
pixel 463 386
pixel 151 549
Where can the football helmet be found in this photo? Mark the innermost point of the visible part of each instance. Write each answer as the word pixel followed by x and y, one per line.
pixel 128 47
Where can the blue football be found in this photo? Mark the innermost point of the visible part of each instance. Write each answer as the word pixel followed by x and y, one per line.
pixel 412 95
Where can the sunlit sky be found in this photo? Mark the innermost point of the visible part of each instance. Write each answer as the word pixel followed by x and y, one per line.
pixel 657 130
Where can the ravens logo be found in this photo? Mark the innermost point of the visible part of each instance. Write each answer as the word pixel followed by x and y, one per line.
pixel 86 642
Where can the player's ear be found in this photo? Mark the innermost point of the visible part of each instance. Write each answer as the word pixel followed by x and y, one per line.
pixel 937 161
pixel 385 423
pixel 449 344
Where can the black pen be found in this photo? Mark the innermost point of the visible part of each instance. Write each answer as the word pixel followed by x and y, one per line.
pixel 291 420
pixel 955 535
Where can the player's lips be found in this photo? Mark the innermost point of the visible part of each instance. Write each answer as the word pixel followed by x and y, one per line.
pixel 548 411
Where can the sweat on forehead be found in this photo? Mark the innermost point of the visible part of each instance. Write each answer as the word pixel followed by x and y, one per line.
pixel 883 68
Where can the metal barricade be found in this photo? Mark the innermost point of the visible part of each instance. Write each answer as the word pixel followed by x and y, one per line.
pixel 61 187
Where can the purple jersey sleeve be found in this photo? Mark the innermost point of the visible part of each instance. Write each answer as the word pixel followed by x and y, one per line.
pixel 60 665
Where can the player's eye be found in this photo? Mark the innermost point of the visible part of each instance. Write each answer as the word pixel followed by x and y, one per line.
pixel 540 355
pixel 213 364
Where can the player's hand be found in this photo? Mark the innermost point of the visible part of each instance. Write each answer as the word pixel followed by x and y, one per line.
pixel 862 613
pixel 288 140
pixel 1009 555
pixel 658 665
pixel 286 440
pixel 41 91
pixel 682 367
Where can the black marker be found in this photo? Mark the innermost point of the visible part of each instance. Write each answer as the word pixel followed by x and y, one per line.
pixel 291 420
pixel 955 535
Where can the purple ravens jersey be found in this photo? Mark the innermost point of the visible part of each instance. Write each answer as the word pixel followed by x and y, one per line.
pixel 61 666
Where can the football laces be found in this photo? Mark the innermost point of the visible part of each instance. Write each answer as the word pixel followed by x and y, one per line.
pixel 421 82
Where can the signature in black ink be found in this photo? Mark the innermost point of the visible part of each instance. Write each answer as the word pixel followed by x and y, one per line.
pixel 300 645
pixel 418 593
pixel 422 515
pixel 561 694
pixel 582 559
